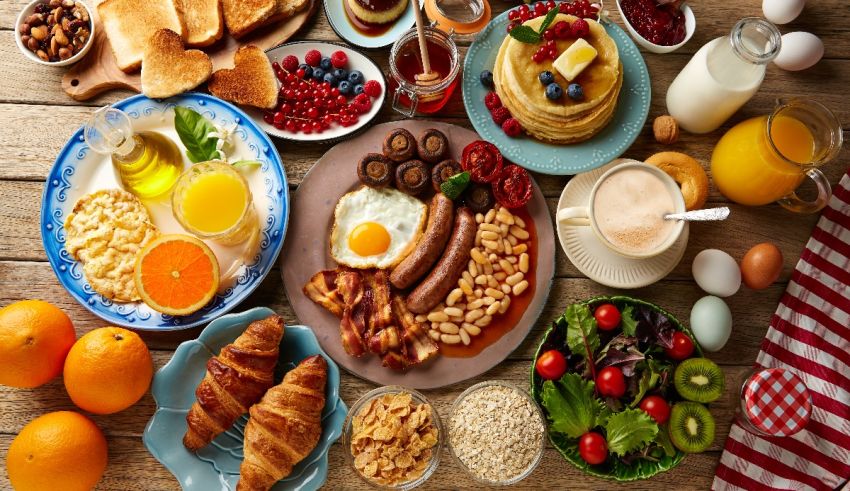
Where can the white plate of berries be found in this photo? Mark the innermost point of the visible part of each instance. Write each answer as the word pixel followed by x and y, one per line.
pixel 327 91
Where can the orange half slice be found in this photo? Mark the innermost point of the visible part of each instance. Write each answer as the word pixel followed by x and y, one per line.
pixel 176 274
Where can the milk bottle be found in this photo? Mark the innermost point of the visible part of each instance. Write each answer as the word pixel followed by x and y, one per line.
pixel 723 75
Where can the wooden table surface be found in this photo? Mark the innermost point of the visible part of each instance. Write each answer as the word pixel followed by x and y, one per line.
pixel 36 117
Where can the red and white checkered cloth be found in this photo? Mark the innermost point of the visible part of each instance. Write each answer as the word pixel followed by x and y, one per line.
pixel 809 335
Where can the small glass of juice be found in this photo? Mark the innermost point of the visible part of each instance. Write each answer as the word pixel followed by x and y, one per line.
pixel 212 201
pixel 411 95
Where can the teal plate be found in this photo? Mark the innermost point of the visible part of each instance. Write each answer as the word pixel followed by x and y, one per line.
pixel 616 470
pixel 216 466
pixel 607 145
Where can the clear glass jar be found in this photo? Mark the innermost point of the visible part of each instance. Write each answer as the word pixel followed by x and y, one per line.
pixel 723 75
pixel 462 19
pixel 411 96
pixel 774 402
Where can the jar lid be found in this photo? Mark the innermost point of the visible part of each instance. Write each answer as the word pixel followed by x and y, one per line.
pixel 777 402
pixel 447 24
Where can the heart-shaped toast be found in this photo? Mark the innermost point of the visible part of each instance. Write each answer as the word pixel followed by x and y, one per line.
pixel 168 69
pixel 250 82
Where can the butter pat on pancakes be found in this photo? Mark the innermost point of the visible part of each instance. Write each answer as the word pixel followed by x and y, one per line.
pixel 629 209
pixel 376 228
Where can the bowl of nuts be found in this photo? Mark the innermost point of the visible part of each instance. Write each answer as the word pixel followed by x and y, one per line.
pixel 55 32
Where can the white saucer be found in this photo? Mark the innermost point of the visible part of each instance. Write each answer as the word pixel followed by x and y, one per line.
pixel 594 259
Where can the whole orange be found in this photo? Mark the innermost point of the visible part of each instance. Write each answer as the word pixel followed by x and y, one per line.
pixel 61 450
pixel 35 336
pixel 108 370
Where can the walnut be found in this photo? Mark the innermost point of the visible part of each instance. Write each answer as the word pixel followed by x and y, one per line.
pixel 666 130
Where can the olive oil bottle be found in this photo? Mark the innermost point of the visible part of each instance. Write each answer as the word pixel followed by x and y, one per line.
pixel 148 163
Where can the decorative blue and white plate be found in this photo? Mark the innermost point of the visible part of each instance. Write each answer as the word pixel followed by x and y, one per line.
pixel 608 144
pixel 335 10
pixel 79 171
pixel 216 466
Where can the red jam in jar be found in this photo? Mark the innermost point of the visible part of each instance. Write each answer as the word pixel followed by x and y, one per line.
pixel 410 95
pixel 663 25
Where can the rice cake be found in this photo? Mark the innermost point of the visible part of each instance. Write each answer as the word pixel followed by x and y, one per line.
pixel 104 232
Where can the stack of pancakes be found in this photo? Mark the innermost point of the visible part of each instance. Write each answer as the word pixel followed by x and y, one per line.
pixel 564 120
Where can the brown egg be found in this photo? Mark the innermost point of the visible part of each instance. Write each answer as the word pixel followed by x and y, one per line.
pixel 761 266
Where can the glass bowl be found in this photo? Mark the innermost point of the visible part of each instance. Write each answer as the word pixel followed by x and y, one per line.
pixel 418 398
pixel 541 436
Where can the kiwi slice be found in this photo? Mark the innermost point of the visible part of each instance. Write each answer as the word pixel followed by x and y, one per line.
pixel 699 380
pixel 691 427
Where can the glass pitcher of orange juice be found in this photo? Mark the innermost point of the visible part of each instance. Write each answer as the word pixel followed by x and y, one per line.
pixel 765 159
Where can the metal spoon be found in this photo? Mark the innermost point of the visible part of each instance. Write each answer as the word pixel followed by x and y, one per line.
pixel 706 215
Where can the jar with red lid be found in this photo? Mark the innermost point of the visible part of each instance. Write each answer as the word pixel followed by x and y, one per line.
pixel 775 402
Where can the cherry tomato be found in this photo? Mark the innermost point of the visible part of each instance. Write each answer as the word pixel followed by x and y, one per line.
pixel 513 188
pixel 657 408
pixel 551 365
pixel 483 161
pixel 607 316
pixel 610 382
pixel 593 448
pixel 682 348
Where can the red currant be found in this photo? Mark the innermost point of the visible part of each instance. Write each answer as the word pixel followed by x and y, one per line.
pixel 312 113
pixel 291 126
pixel 523 8
pixel 513 15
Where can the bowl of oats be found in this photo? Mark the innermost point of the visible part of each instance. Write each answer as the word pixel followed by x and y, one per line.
pixel 496 432
pixel 393 438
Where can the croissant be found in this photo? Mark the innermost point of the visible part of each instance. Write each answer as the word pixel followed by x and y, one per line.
pixel 284 426
pixel 235 380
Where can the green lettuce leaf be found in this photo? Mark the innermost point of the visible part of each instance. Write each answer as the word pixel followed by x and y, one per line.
pixel 571 406
pixel 627 321
pixel 663 441
pixel 582 338
pixel 194 130
pixel 649 378
pixel 629 430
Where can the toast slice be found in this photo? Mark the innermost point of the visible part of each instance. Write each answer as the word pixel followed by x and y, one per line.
pixel 204 21
pixel 250 82
pixel 243 16
pixel 129 27
pixel 286 9
pixel 168 70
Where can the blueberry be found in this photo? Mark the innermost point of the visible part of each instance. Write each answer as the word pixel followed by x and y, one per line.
pixel 575 92
pixel 340 74
pixel 344 87
pixel 358 89
pixel 326 64
pixel 331 79
pixel 308 70
pixel 487 79
pixel 546 77
pixel 318 74
pixel 554 91
pixel 356 77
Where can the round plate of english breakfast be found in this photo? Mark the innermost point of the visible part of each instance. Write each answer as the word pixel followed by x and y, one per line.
pixel 111 227
pixel 418 254
pixel 562 94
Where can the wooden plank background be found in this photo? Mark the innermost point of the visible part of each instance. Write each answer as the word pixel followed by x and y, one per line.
pixel 37 117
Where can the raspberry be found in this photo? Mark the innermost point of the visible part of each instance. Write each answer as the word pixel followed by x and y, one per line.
pixel 492 101
pixel 339 59
pixel 500 115
pixel 579 28
pixel 313 57
pixel 511 127
pixel 372 88
pixel 290 63
pixel 363 98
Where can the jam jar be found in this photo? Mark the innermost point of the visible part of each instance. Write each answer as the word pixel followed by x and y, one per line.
pixel 411 96
pixel 774 402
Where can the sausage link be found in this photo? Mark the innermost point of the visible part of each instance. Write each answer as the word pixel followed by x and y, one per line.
pixel 432 243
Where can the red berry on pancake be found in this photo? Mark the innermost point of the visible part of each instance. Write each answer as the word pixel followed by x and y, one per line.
pixel 580 28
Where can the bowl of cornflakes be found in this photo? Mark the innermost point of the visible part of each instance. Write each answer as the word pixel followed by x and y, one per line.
pixel 393 438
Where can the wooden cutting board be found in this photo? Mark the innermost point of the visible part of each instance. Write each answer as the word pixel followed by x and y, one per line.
pixel 97 71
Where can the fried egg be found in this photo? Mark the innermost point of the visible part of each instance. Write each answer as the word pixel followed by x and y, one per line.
pixel 376 228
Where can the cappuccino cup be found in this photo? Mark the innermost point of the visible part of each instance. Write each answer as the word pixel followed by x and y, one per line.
pixel 626 210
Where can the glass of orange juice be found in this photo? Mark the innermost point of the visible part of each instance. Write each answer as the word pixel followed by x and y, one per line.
pixel 212 201
pixel 766 158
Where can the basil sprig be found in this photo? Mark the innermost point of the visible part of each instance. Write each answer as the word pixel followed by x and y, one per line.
pixel 526 34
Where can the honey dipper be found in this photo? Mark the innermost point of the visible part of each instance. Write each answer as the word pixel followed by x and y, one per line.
pixel 428 77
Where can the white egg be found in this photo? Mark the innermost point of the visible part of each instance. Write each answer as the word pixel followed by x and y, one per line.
pixel 376 228
pixel 782 11
pixel 711 323
pixel 716 272
pixel 800 50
